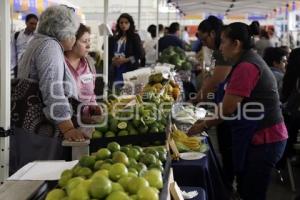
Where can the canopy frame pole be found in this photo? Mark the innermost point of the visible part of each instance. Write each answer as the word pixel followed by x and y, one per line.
pixel 5 24
pixel 105 58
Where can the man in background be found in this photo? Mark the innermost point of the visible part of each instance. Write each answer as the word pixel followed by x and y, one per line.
pixel 172 39
pixel 20 40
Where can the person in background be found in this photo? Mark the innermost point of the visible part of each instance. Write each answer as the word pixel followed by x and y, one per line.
pixel 263 43
pixel 145 37
pixel 150 46
pixel 197 45
pixel 83 70
pixel 171 39
pixel 287 50
pixel 44 62
pixel 166 31
pixel 258 137
pixel 276 59
pixel 255 26
pixel 185 36
pixel 161 30
pixel 290 100
pixel 20 40
pixel 99 83
pixel 125 50
pixel 273 37
pixel 209 31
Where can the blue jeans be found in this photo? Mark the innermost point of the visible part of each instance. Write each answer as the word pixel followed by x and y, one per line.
pixel 253 182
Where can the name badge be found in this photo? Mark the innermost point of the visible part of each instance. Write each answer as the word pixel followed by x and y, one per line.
pixel 86 78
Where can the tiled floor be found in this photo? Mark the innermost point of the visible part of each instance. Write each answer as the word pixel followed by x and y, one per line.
pixel 277 189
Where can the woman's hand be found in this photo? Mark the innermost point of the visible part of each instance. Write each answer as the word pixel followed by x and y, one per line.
pixel 74 135
pixel 119 60
pixel 198 127
pixel 91 114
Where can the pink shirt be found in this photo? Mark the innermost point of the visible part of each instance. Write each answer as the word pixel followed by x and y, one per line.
pixel 85 81
pixel 243 80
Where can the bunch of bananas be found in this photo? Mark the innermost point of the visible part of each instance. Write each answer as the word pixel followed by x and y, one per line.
pixel 184 142
pixel 115 104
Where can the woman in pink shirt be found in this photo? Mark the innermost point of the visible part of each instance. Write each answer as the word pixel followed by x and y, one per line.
pixel 252 108
pixel 83 71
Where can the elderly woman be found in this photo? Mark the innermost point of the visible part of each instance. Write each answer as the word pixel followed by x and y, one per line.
pixel 43 62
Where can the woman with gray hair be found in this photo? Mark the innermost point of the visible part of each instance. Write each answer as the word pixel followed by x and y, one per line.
pixel 43 62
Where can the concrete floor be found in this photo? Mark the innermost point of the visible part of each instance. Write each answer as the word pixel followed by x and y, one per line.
pixel 278 190
pixel 283 191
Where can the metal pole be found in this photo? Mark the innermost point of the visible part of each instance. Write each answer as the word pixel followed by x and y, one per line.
pixel 139 14
pixel 168 20
pixel 157 27
pixel 4 88
pixel 105 59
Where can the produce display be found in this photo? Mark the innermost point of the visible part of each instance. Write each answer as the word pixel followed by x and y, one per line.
pixel 114 173
pixel 145 113
pixel 137 119
pixel 187 143
pixel 158 84
pixel 177 57
pixel 187 113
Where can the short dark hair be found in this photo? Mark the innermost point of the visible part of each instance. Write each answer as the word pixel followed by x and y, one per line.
pixel 273 54
pixel 81 30
pixel 152 30
pixel 30 16
pixel 240 31
pixel 174 27
pixel 255 26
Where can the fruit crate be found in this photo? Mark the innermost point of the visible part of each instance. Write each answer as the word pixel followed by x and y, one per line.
pixel 41 193
pixel 141 140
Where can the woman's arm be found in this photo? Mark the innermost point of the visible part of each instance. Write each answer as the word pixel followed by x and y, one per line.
pixel 211 83
pixel 225 109
pixel 241 84
pixel 49 63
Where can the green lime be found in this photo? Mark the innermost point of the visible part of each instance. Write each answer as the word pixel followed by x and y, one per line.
pixel 136 122
pixel 110 134
pixel 97 134
pixel 143 129
pixel 123 133
pixel 122 125
pixel 102 128
pixel 87 161
pixel 113 125
pixel 113 146
pixel 153 130
pixel 103 154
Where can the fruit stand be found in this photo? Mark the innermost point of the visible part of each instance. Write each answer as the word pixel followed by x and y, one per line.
pixel 129 155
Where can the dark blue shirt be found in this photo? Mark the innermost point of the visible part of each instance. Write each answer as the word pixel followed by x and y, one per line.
pixel 169 40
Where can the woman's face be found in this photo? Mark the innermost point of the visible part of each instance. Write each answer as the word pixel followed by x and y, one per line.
pixel 281 65
pixel 208 39
pixel 230 49
pixel 124 24
pixel 68 44
pixel 82 45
